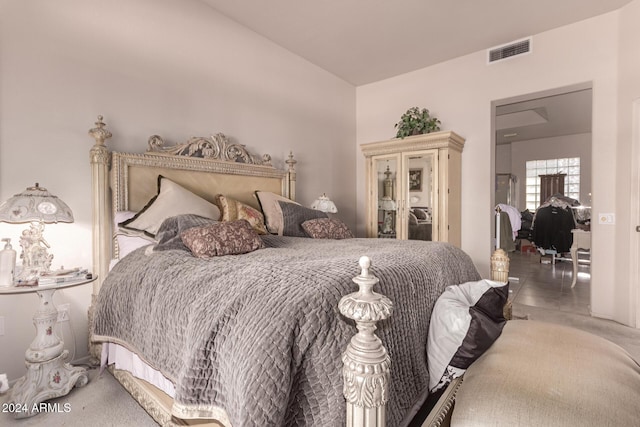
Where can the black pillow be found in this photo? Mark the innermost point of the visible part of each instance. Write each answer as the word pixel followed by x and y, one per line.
pixel 465 321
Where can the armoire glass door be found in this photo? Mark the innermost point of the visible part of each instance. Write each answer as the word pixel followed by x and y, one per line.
pixel 420 196
pixel 386 169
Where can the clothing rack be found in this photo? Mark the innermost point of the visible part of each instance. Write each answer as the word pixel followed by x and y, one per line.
pixel 498 210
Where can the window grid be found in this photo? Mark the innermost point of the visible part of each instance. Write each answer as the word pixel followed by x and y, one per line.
pixel 570 166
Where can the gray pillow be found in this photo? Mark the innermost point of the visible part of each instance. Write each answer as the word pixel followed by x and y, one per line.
pixel 294 215
pixel 169 232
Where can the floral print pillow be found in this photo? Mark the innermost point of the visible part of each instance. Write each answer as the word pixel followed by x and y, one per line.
pixel 326 228
pixel 233 210
pixel 223 238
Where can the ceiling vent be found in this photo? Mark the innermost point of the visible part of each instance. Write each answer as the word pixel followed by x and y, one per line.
pixel 509 50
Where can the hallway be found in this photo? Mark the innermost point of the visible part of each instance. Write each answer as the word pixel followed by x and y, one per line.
pixel 543 292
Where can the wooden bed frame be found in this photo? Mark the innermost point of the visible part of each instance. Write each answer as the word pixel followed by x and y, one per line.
pixel 209 166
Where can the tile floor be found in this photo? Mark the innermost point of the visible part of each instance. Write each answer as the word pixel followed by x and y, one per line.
pixel 543 292
pixel 548 285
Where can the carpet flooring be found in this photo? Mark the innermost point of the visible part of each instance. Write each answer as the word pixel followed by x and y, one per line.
pixel 103 402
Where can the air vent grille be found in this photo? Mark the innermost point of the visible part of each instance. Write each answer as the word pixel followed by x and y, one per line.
pixel 510 50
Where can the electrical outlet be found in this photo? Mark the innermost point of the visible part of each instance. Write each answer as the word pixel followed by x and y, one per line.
pixel 63 312
pixel 1 326
pixel 607 218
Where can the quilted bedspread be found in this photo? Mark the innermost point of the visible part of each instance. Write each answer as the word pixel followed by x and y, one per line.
pixel 256 339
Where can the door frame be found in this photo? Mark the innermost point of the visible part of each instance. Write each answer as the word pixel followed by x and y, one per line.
pixel 634 244
pixel 521 98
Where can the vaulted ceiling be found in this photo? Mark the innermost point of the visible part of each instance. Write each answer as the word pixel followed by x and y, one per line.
pixel 363 41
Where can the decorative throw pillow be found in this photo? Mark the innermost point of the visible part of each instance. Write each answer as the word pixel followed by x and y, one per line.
pixel 233 210
pixel 326 228
pixel 293 215
pixel 223 238
pixel 271 210
pixel 168 236
pixel 172 199
pixel 466 320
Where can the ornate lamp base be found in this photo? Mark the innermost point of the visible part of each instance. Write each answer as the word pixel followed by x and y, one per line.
pixel 35 257
pixel 48 373
pixel 43 381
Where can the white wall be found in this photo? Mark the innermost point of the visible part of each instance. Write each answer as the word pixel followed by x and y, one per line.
pixel 460 92
pixel 167 67
pixel 512 158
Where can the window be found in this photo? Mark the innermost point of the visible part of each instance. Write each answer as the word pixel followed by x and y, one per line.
pixel 570 166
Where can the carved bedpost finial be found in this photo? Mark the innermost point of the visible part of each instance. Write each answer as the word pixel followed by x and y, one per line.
pixel 292 175
pixel 99 133
pixel 366 363
pixel 500 266
pixel 291 163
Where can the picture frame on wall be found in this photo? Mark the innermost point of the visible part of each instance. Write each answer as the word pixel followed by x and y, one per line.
pixel 415 179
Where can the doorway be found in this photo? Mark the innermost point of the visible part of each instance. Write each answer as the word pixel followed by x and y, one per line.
pixel 535 134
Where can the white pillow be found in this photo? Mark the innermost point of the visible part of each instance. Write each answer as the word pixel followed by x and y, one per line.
pixel 127 240
pixel 465 322
pixel 272 211
pixel 172 200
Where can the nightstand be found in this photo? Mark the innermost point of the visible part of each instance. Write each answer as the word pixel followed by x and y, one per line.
pixel 48 373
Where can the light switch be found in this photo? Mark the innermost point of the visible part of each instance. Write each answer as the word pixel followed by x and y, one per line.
pixel 607 218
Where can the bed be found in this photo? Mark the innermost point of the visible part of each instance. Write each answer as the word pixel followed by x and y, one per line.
pixel 260 336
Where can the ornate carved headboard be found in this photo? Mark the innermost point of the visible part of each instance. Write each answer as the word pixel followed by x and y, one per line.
pixel 205 166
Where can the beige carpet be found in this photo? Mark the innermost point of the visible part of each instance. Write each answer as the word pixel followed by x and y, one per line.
pixel 102 402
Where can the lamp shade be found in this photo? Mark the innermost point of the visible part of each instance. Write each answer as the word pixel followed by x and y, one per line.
pixel 324 204
pixel 35 204
pixel 387 204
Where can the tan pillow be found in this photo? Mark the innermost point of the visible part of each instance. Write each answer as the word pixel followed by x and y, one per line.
pixel 172 199
pixel 233 209
pixel 271 210
pixel 222 238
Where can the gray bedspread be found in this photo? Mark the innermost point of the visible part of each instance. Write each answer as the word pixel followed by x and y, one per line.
pixel 258 337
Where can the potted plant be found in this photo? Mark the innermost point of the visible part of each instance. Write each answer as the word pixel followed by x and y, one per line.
pixel 416 122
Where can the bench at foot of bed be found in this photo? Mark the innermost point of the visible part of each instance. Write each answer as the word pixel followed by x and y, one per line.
pixel 542 374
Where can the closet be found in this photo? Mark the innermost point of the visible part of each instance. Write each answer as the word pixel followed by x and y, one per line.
pixel 413 187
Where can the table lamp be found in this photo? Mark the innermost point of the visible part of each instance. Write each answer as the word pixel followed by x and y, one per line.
pixel 37 206
pixel 324 204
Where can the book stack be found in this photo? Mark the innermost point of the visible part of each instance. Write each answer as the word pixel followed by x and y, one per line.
pixel 63 276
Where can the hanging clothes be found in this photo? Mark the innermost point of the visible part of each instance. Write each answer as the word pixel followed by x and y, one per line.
pixel 514 218
pixel 552 227
pixel 506 237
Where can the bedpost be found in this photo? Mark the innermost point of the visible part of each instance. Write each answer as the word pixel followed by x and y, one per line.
pixel 500 273
pixel 100 158
pixel 366 364
pixel 500 266
pixel 291 177
pixel 100 162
